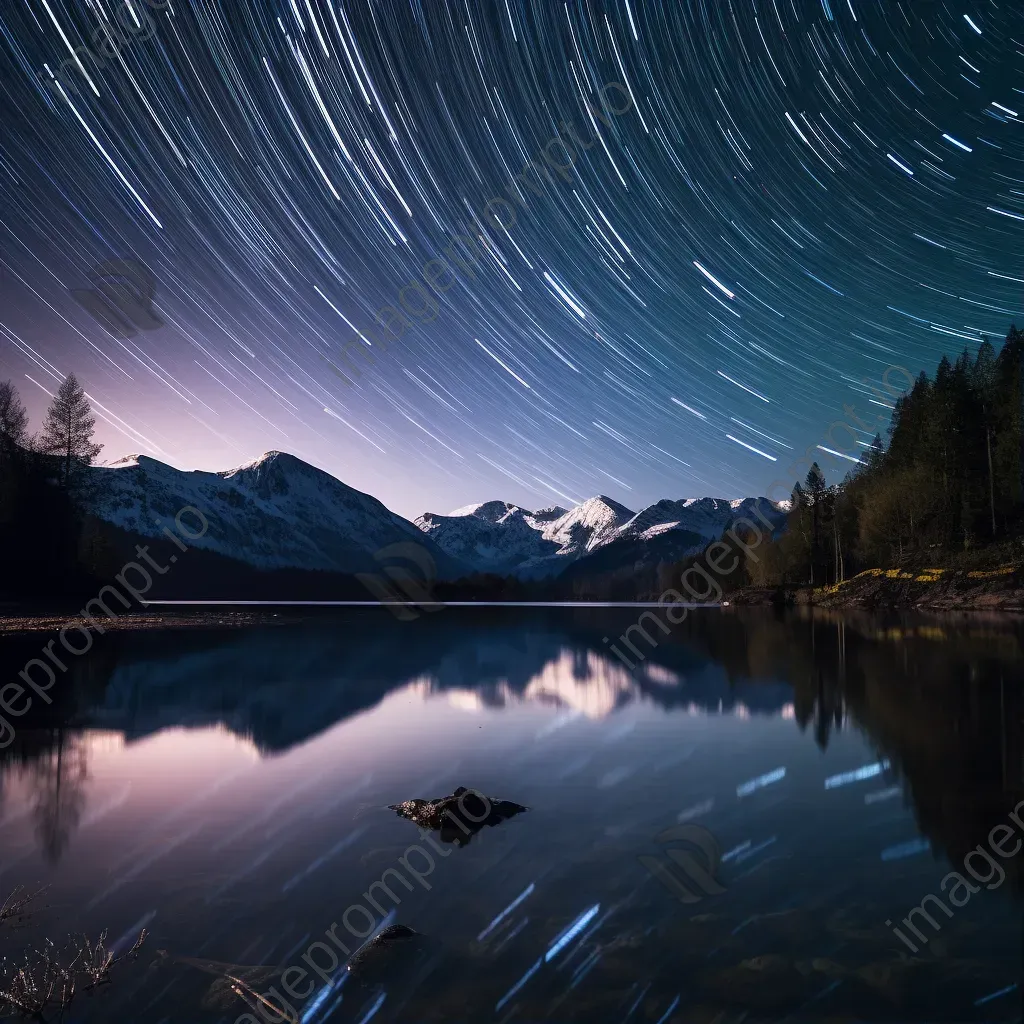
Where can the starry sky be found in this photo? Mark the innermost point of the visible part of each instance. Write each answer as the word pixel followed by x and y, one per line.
pixel 694 233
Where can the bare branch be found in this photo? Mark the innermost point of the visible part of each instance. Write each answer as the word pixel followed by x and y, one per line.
pixel 40 984
pixel 13 908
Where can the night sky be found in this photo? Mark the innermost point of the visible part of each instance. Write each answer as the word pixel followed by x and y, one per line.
pixel 778 200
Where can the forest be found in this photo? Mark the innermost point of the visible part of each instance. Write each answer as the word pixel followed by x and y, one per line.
pixel 947 484
pixel 943 489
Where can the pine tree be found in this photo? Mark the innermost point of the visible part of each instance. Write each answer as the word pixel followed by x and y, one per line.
pixel 983 381
pixel 1008 442
pixel 951 476
pixel 68 430
pixel 873 457
pixel 13 420
pixel 815 491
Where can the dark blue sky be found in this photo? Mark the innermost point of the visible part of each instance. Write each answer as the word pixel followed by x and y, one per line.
pixel 777 200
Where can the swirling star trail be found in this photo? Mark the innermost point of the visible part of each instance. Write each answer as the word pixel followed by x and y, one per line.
pixel 739 215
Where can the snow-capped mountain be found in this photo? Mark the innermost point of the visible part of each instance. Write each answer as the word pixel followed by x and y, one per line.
pixel 499 537
pixel 549 514
pixel 280 513
pixel 275 513
pixel 708 517
pixel 588 526
pixel 496 536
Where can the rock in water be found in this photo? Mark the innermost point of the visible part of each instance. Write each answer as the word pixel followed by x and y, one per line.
pixel 397 959
pixel 460 816
pixel 390 937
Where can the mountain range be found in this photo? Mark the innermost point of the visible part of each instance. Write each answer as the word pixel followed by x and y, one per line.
pixel 279 514
pixel 508 540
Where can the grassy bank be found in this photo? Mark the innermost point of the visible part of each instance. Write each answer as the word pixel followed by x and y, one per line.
pixel 954 587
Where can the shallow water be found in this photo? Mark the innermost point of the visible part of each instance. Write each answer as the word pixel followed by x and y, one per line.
pixel 229 792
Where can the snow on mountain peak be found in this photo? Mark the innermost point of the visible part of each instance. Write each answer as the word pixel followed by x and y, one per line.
pixel 491 511
pixel 270 456
pixel 274 512
pixel 501 537
pixel 588 525
pixel 280 512
pixel 494 536
pixel 708 517
pixel 274 461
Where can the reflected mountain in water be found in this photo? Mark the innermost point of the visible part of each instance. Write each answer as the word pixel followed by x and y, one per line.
pixel 281 687
pixel 940 702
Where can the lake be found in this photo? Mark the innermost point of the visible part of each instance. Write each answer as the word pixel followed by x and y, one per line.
pixel 729 830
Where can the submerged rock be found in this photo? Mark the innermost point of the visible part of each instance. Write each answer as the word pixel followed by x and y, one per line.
pixel 460 816
pixel 397 960
pixel 386 940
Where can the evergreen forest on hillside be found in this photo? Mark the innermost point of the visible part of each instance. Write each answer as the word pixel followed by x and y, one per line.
pixel 946 483
pixel 949 479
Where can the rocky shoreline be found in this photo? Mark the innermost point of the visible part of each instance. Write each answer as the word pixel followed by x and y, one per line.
pixel 997 589
pixel 13 623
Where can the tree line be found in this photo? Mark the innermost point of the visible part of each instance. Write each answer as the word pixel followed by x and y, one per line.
pixel 42 487
pixel 949 480
pixel 945 485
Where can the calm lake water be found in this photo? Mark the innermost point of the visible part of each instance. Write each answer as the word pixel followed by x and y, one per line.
pixel 229 791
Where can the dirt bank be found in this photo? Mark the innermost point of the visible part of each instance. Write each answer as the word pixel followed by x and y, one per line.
pixel 996 589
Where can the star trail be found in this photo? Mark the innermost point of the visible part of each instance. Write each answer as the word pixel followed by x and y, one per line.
pixel 519 249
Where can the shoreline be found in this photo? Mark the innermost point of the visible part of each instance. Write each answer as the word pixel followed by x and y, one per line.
pixel 941 590
pixel 26 622
pixel 875 590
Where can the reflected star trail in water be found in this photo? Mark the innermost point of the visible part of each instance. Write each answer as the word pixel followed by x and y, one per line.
pixel 737 214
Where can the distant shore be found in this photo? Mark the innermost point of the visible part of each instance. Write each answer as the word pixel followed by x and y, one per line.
pixel 999 589
pixel 14 622
pixel 996 589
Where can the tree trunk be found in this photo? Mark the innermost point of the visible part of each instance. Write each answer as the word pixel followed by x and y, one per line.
pixel 991 483
pixel 835 539
pixel 68 426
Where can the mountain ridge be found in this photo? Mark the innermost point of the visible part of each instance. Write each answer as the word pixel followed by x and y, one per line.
pixel 506 539
pixel 278 512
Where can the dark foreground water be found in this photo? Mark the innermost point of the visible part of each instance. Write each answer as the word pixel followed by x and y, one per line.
pixel 229 792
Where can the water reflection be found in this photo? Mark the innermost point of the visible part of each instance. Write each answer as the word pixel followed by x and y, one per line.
pixel 224 783
pixel 942 701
